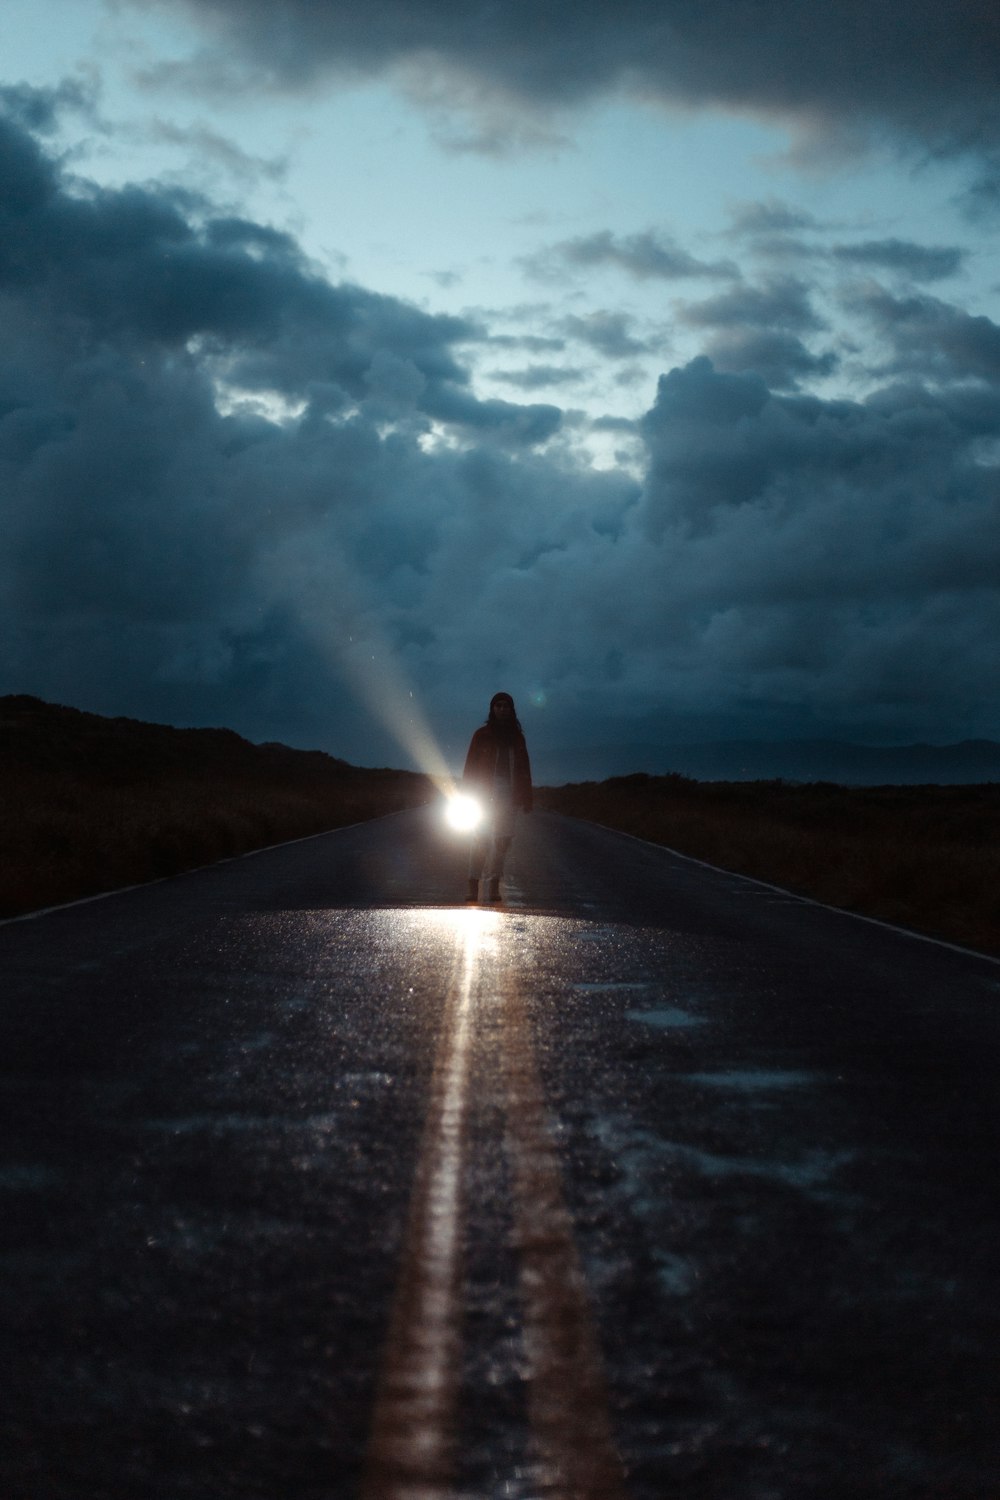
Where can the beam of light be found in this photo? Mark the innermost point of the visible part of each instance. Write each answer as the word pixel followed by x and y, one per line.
pixel 377 680
pixel 358 650
pixel 343 628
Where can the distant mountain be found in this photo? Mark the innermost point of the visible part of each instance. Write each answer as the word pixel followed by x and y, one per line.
pixel 92 804
pixel 50 737
pixel 970 761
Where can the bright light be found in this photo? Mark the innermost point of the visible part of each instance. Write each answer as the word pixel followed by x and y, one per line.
pixel 462 812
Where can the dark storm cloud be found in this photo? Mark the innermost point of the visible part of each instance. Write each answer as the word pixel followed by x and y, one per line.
pixel 917 262
pixel 926 337
pixel 646 256
pixel 531 343
pixel 981 200
pixel 769 218
pixel 781 302
pixel 608 333
pixel 134 263
pixel 917 70
pixel 501 419
pixel 538 377
pixel 166 559
pixel 755 329
pixel 41 109
pixel 832 547
pixel 219 473
pixel 781 360
pixel 775 232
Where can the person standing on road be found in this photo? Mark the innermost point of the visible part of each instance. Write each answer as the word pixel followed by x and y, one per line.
pixel 498 772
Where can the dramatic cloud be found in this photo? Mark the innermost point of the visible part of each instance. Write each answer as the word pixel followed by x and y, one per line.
pixel 916 70
pixel 916 262
pixel 781 360
pixel 782 302
pixel 40 109
pixel 217 467
pixel 927 337
pixel 226 481
pixel 645 256
pixel 772 217
pixel 756 329
pixel 608 333
pixel 829 547
pixel 538 377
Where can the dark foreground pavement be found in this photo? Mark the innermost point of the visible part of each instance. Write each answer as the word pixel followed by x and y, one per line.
pixel 655 1183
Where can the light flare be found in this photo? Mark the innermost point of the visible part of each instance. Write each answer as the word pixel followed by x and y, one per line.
pixel 463 813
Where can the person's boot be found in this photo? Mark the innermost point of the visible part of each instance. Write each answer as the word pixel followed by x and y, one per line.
pixel 473 890
pixel 493 889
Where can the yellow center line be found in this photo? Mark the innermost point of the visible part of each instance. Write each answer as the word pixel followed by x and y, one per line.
pixel 567 1399
pixel 410 1454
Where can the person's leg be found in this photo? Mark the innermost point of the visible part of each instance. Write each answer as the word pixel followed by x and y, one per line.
pixel 503 833
pixel 479 845
pixel 498 856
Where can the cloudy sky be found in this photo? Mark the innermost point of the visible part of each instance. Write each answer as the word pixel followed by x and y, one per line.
pixel 639 358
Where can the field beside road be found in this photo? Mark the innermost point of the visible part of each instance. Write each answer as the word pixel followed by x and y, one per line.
pixel 925 857
pixel 92 803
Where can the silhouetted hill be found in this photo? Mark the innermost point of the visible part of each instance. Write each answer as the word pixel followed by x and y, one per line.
pixel 49 736
pixel 91 803
pixel 969 761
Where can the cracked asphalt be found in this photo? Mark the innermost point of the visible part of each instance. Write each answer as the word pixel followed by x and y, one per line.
pixel 316 1183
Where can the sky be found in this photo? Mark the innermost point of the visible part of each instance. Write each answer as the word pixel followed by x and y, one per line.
pixel 639 359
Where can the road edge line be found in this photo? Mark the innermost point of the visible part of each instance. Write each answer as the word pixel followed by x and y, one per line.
pixel 841 911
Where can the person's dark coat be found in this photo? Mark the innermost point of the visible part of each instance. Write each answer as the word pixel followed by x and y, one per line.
pixel 481 761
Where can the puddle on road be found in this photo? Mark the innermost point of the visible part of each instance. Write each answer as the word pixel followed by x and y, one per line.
pixel 810 1170
pixel 648 1163
pixel 612 986
pixel 751 1080
pixel 30 1177
pixel 667 1017
pixel 319 1124
pixel 675 1273
pixel 661 1016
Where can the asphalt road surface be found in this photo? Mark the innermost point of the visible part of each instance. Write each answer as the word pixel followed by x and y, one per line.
pixel 655 1183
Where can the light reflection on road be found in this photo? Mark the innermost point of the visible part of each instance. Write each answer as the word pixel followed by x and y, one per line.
pixel 412 1446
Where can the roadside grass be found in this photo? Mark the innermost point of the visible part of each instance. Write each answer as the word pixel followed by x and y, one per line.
pixel 90 804
pixel 924 857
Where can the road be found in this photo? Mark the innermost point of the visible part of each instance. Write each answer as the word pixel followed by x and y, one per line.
pixel 655 1183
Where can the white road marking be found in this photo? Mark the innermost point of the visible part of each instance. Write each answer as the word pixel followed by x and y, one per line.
pixel 841 911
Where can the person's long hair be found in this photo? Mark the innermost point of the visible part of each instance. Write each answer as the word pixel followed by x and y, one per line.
pixel 512 729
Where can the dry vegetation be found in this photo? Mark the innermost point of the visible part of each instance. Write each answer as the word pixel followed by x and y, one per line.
pixel 925 857
pixel 90 803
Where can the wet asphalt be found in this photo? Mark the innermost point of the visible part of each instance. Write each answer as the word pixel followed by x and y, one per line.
pixel 771 1129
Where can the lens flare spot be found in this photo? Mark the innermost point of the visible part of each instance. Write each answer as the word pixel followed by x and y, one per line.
pixel 462 812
